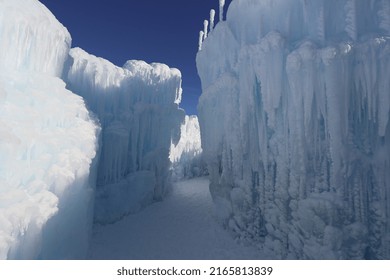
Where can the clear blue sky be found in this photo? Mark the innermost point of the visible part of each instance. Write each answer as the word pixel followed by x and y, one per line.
pixel 165 31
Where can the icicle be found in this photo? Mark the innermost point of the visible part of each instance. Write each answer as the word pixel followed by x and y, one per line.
pixel 212 17
pixel 221 5
pixel 321 25
pixel 384 16
pixel 205 26
pixel 351 23
pixel 201 34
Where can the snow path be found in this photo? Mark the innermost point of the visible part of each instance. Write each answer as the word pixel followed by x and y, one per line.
pixel 180 227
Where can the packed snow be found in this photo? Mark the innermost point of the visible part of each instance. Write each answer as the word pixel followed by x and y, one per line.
pixel 180 227
pixel 137 106
pixel 294 120
pixel 48 141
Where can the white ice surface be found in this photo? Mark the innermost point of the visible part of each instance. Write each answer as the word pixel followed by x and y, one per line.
pixel 47 144
pixel 186 155
pixel 189 144
pixel 31 38
pixel 182 226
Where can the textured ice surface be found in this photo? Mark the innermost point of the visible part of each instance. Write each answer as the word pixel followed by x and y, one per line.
pixel 47 140
pixel 44 168
pixel 186 155
pixel 137 106
pixel 31 38
pixel 295 127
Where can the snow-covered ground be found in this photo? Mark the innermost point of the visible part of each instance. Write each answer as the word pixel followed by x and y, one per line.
pixel 180 227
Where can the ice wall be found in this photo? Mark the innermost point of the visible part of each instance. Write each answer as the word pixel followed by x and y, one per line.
pixel 137 105
pixel 48 140
pixel 186 155
pixel 295 127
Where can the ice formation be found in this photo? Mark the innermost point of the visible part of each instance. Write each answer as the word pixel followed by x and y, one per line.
pixel 48 140
pixel 221 6
pixel 294 117
pixel 205 28
pixel 200 42
pixel 137 106
pixel 212 18
pixel 32 39
pixel 186 155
